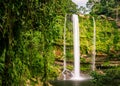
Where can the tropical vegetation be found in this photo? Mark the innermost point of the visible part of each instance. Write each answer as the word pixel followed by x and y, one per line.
pixel 31 37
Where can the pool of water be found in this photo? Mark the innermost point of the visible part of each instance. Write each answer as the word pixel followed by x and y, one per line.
pixel 72 83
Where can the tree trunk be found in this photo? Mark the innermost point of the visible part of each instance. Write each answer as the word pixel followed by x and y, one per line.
pixel 7 73
pixel 7 78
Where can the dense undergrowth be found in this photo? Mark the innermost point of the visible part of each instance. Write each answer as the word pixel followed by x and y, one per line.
pixel 110 77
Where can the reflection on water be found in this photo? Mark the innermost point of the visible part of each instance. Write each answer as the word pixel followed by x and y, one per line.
pixel 72 83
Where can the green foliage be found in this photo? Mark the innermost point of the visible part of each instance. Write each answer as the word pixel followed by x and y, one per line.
pixel 105 7
pixel 20 72
pixel 111 78
pixel 106 63
pixel 107 36
pixel 86 32
pixel 27 32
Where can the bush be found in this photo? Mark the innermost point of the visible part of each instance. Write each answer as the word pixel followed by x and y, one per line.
pixel 110 78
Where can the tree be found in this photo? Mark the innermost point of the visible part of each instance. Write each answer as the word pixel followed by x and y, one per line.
pixel 105 7
pixel 20 21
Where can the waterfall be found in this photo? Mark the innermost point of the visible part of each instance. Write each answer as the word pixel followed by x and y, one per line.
pixel 76 48
pixel 76 75
pixel 94 45
pixel 64 49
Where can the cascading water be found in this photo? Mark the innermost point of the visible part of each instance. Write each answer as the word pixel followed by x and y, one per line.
pixel 76 40
pixel 76 47
pixel 76 44
pixel 64 42
pixel 65 70
pixel 94 45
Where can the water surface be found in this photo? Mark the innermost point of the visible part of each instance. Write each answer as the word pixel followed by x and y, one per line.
pixel 72 83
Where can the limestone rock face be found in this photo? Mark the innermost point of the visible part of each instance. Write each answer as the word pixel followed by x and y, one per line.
pixel 110 19
pixel 118 23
